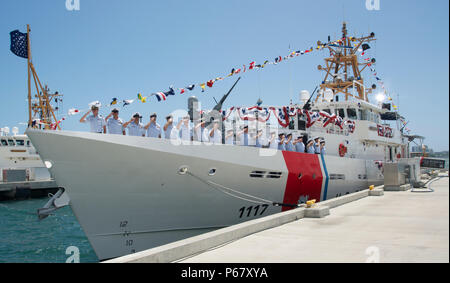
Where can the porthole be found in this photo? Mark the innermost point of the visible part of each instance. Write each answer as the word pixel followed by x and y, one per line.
pixel 212 172
pixel 314 176
pixel 300 176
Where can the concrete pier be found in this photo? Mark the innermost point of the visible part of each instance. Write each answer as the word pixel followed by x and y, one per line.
pixel 401 188
pixel 367 226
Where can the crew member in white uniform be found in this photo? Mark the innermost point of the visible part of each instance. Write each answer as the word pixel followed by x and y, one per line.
pixel 114 123
pixel 310 146
pixel 200 131
pixel 168 127
pixel 273 141
pixel 281 142
pixel 134 126
pixel 184 128
pixel 299 145
pixel 229 137
pixel 317 145
pixel 215 135
pixel 243 136
pixel 153 129
pixel 258 138
pixel 289 144
pixel 323 150
pixel 96 121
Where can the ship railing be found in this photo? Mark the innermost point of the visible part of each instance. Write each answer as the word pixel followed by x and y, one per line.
pixel 333 129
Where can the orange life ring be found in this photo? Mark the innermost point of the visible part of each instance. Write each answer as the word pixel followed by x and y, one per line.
pixel 342 150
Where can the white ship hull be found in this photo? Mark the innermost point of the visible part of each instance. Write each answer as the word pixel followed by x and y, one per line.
pixel 128 195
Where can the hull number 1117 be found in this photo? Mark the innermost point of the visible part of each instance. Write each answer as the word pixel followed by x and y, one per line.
pixel 252 211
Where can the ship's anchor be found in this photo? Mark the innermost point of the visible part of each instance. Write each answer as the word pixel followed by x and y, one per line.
pixel 57 201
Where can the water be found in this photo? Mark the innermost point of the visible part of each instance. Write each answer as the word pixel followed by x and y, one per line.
pixel 25 239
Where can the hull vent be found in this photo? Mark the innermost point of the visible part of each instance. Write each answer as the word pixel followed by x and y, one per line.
pixel 337 177
pixel 274 175
pixel 265 174
pixel 362 176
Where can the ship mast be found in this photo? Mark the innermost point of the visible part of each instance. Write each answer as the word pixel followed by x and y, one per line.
pixel 343 71
pixel 41 108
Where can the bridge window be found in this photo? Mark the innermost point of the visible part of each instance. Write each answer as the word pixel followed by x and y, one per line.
pixel 4 143
pixel 301 124
pixel 292 123
pixel 363 114
pixel 351 114
pixel 340 112
pixel 377 118
pixel 373 117
pixel 11 143
pixel 20 142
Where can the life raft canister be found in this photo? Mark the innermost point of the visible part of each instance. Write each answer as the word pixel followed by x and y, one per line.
pixel 342 150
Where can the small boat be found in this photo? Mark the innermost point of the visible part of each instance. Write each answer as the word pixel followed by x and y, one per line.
pixel 22 172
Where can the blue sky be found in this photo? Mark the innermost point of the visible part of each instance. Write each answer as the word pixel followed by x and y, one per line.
pixel 114 48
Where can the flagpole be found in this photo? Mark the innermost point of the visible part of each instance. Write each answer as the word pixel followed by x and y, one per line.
pixel 29 77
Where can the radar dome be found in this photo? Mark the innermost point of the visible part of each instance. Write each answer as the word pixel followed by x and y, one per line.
pixel 304 96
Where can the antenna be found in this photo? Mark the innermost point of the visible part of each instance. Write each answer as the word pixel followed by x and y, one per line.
pixel 42 109
pixel 342 68
pixel 343 11
pixel 290 75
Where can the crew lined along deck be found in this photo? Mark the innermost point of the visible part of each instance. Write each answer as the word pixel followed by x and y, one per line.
pixel 184 130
